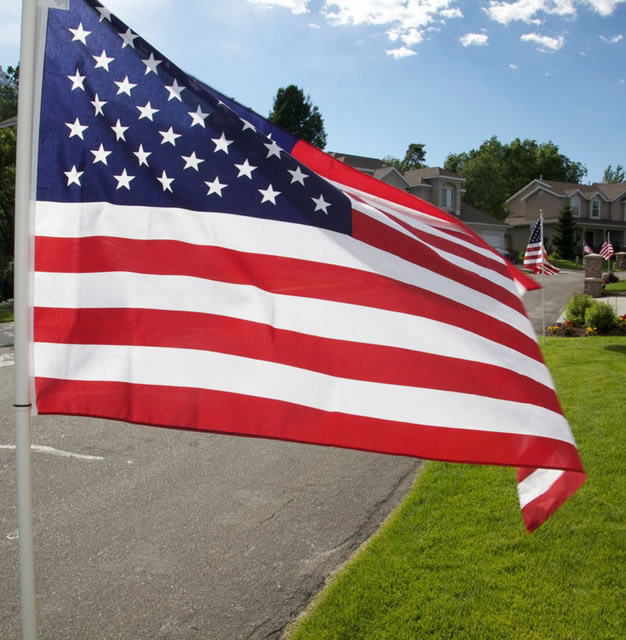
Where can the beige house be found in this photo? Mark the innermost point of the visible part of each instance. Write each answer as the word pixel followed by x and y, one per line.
pixel 599 209
pixel 442 188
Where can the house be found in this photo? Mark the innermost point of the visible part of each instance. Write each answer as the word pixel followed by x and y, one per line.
pixel 599 209
pixel 442 188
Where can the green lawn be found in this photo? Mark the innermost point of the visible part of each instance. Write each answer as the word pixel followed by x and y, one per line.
pixel 616 286
pixel 566 264
pixel 6 315
pixel 454 561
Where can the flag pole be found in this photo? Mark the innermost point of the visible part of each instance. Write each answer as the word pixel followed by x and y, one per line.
pixel 543 295
pixel 23 202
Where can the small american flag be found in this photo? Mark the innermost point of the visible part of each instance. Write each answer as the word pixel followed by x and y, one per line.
pixel 535 257
pixel 607 251
pixel 198 267
pixel 586 248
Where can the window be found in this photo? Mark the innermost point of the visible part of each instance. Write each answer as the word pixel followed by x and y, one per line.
pixel 595 208
pixel 447 196
pixel 574 204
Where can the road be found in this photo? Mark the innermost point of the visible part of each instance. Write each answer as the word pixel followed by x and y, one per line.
pixel 143 532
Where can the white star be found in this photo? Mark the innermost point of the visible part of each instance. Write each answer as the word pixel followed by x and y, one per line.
pixel 297 175
pixel 321 204
pixel 221 144
pixel 175 91
pixel 80 34
pixel 247 125
pixel 269 195
pixel 197 117
pixel 151 64
pixel 245 169
pixel 147 111
pixel 128 38
pixel 105 14
pixel 103 60
pixel 215 187
pixel 192 161
pixel 166 182
pixel 77 81
pixel 76 128
pixel 169 136
pixel 119 130
pixel 100 155
pixel 73 176
pixel 272 149
pixel 97 105
pixel 125 86
pixel 123 180
pixel 142 155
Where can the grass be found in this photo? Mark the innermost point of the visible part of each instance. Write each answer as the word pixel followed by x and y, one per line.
pixel 6 315
pixel 565 264
pixel 616 286
pixel 455 562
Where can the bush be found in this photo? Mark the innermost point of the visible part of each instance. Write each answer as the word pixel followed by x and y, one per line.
pixel 601 315
pixel 6 282
pixel 576 307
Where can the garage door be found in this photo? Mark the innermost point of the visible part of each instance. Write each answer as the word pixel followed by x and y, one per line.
pixel 495 239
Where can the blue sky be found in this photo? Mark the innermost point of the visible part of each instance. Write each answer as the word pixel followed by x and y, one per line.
pixel 385 73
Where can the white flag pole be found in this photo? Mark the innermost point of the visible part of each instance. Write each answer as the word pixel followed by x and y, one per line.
pixel 543 295
pixel 24 200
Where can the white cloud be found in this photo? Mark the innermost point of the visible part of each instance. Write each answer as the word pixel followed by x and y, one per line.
pixel 474 39
pixel 406 20
pixel 295 6
pixel 546 43
pixel 513 66
pixel 613 40
pixel 527 10
pixel 400 52
pixel 314 26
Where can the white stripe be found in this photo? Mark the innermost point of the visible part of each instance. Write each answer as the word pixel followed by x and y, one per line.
pixel 256 235
pixel 42 448
pixel 537 483
pixel 222 372
pixel 311 316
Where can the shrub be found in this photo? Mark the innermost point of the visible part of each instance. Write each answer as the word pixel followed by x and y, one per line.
pixel 576 307
pixel 6 282
pixel 601 315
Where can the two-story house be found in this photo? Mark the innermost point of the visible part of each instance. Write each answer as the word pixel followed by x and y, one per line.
pixel 598 209
pixel 442 188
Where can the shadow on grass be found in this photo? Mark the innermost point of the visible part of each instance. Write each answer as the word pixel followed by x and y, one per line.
pixel 620 348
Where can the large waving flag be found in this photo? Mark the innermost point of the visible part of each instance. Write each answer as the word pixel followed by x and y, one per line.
pixel 197 267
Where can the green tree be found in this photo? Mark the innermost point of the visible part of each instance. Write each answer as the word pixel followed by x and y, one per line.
pixel 9 81
pixel 564 238
pixel 495 171
pixel 414 158
pixel 8 108
pixel 294 112
pixel 614 175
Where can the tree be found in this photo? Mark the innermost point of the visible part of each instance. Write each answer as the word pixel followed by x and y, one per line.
pixel 9 81
pixel 294 112
pixel 495 171
pixel 564 238
pixel 614 175
pixel 414 158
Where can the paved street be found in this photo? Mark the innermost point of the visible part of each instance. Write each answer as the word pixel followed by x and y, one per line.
pixel 143 532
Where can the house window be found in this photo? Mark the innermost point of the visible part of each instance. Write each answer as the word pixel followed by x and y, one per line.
pixel 447 196
pixel 595 208
pixel 574 204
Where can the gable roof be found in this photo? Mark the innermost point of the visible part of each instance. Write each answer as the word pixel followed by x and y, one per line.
pixel 471 214
pixel 607 190
pixel 362 163
pixel 417 176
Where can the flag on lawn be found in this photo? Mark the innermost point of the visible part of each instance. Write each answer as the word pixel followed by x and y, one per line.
pixel 607 251
pixel 536 257
pixel 197 267
pixel 586 248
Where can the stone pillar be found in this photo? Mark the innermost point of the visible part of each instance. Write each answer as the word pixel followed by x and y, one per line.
pixel 593 274
pixel 620 261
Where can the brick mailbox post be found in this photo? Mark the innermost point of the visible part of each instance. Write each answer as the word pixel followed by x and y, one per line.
pixel 620 261
pixel 593 274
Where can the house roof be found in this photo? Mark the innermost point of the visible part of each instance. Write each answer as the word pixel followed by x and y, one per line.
pixel 608 191
pixel 471 214
pixel 417 176
pixel 363 163
pixel 9 122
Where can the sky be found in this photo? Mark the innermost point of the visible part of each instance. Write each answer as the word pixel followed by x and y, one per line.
pixel 386 73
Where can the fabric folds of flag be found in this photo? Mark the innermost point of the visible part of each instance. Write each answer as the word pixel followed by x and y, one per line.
pixel 197 267
pixel 607 251
pixel 536 258
pixel 586 248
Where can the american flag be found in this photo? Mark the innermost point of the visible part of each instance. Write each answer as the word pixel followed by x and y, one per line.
pixel 607 251
pixel 536 257
pixel 198 267
pixel 586 248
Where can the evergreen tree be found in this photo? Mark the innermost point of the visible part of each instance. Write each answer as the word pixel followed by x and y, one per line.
pixel 564 239
pixel 294 112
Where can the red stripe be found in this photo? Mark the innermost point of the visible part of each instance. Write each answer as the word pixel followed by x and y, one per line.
pixel 274 274
pixel 542 507
pixel 330 168
pixel 245 415
pixel 379 235
pixel 338 358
